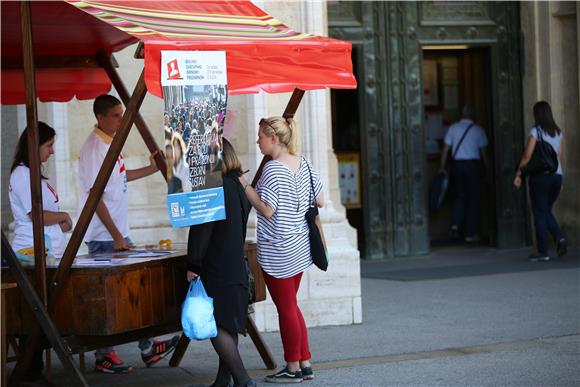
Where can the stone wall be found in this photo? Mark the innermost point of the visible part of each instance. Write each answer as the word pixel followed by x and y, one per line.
pixel 551 33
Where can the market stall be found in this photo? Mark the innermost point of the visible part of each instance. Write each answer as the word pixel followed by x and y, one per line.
pixel 55 51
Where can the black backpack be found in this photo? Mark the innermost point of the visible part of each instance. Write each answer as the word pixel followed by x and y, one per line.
pixel 544 159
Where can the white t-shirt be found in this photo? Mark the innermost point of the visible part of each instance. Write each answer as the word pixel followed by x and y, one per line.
pixel 21 205
pixel 115 196
pixel 472 143
pixel 553 141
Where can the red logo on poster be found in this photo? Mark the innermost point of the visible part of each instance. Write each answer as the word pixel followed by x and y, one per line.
pixel 173 70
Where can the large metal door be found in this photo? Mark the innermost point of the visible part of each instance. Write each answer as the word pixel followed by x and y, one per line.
pixel 390 36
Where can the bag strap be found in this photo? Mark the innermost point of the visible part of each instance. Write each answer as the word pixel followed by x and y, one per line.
pixel 244 217
pixel 461 140
pixel 540 135
pixel 311 184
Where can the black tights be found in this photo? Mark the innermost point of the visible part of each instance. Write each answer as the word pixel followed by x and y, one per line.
pixel 230 365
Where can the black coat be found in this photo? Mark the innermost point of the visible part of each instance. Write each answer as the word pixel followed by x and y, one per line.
pixel 215 249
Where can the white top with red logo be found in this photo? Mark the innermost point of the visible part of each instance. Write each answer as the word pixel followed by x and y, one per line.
pixel 21 205
pixel 115 197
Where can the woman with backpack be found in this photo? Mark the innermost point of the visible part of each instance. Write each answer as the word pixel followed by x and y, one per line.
pixel 545 178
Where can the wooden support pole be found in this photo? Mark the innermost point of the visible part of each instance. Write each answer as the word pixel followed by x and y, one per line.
pixel 289 112
pixel 33 150
pixel 3 338
pixel 57 283
pixel 262 348
pixel 106 62
pixel 36 305
pixel 293 104
pixel 179 351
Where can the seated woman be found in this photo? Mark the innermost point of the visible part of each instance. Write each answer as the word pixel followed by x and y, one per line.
pixel 56 222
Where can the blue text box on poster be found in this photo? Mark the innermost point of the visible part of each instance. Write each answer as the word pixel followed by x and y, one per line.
pixel 190 208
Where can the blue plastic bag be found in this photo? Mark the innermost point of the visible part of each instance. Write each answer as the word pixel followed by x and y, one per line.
pixel 197 313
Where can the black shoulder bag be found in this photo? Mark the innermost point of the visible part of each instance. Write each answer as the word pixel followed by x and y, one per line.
pixel 317 244
pixel 544 159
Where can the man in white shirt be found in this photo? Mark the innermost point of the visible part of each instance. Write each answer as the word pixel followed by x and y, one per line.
pixel 109 229
pixel 468 144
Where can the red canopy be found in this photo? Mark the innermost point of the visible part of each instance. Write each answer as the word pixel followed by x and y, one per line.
pixel 261 53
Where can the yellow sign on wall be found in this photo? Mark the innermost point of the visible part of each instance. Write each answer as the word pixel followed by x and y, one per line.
pixel 349 179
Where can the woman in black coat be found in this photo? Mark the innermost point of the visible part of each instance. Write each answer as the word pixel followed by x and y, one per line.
pixel 216 252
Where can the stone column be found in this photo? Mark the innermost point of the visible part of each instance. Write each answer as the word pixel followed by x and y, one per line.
pixel 551 39
pixel 10 133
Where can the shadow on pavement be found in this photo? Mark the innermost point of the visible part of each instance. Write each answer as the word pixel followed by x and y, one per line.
pixel 464 261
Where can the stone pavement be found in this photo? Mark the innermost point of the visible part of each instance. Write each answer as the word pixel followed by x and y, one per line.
pixel 464 316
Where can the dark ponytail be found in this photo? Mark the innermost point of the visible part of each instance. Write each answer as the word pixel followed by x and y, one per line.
pixel 45 133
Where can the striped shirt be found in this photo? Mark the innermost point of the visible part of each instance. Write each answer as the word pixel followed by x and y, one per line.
pixel 283 241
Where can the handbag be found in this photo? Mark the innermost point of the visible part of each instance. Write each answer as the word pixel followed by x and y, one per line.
pixel 441 183
pixel 438 191
pixel 255 285
pixel 251 282
pixel 317 243
pixel 543 160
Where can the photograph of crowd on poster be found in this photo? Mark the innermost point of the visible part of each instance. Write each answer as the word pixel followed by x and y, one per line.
pixel 195 101
pixel 193 123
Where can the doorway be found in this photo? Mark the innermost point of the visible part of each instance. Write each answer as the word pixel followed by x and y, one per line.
pixel 346 142
pixel 455 76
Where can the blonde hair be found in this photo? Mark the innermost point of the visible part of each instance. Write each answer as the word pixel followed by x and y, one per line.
pixel 230 161
pixel 284 128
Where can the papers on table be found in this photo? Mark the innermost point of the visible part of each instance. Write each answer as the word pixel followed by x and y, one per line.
pixel 149 254
pixel 117 258
pixel 99 262
pixel 121 257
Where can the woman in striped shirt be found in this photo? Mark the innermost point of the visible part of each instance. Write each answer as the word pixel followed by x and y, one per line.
pixel 282 197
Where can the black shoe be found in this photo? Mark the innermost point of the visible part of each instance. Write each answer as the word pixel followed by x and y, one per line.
pixel 249 383
pixel 562 247
pixel 307 373
pixel 285 376
pixel 538 258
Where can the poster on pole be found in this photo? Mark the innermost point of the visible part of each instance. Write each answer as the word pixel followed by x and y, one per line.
pixel 195 98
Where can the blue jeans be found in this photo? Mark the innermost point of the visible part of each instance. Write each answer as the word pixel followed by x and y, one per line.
pixel 466 175
pixel 544 190
pixel 97 247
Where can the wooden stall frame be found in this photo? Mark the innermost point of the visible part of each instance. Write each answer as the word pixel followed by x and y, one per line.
pixel 44 320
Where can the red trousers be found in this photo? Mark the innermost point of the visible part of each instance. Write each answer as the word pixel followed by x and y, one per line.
pixel 292 326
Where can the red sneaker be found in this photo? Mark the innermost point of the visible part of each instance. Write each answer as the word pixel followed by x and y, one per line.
pixel 159 350
pixel 111 364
